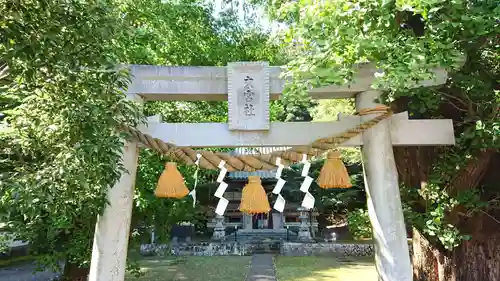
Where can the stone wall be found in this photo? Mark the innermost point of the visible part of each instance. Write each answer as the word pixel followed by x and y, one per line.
pixel 319 249
pixel 209 249
pixel 247 248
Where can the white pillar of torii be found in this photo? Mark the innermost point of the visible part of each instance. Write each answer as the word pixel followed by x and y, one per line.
pixel 249 126
pixel 109 251
pixel 392 258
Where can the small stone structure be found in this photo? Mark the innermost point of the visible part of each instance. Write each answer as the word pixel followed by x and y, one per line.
pixel 219 230
pixel 183 232
pixel 304 234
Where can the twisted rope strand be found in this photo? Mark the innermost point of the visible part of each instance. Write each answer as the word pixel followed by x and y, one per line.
pixel 250 163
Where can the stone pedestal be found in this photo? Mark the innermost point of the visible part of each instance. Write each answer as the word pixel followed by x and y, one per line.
pixel 219 229
pixel 304 234
pixel 247 221
pixel 277 220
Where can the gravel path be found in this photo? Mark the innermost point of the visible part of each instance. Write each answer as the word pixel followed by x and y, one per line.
pixel 262 268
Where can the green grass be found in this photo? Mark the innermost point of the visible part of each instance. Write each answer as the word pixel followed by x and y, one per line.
pixel 225 268
pixel 325 269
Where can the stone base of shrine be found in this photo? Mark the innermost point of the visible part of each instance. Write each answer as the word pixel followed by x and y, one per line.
pixel 244 248
pixel 256 235
pixel 210 249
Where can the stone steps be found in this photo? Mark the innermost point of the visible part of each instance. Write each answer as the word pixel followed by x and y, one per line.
pixel 262 235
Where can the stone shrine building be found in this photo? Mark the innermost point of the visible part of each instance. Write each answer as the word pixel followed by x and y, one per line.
pixel 273 225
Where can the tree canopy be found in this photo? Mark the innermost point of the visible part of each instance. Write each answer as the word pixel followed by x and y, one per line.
pixel 63 105
pixel 63 145
pixel 406 40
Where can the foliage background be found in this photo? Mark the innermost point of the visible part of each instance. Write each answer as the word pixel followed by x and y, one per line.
pixel 62 103
pixel 444 190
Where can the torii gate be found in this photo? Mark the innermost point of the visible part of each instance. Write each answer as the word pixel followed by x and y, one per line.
pixel 249 126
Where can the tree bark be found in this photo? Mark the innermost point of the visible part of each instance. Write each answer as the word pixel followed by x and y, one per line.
pixel 477 259
pixel 424 263
pixel 73 272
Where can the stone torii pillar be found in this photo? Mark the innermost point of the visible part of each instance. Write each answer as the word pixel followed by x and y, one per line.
pixel 109 251
pixel 383 198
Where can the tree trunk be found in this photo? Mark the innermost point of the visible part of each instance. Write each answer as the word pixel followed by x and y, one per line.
pixel 73 272
pixel 424 262
pixel 477 259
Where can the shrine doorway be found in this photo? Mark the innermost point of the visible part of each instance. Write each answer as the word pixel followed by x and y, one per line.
pixel 262 221
pixel 272 220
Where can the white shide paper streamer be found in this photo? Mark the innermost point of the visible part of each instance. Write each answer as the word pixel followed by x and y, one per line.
pixel 279 171
pixel 220 190
pixel 221 206
pixel 193 192
pixel 307 165
pixel 219 193
pixel 279 205
pixel 279 185
pixel 222 174
pixel 304 187
pixel 308 201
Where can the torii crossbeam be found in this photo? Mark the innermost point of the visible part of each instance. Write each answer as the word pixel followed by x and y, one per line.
pixel 404 132
pixel 248 87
